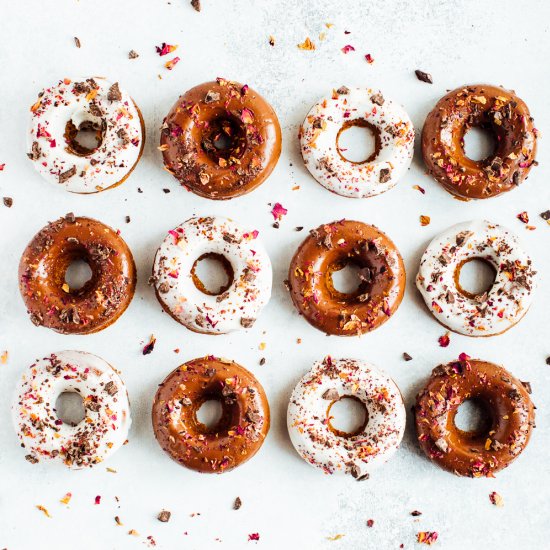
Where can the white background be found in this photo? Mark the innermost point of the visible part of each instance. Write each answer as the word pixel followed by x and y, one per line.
pixel 290 504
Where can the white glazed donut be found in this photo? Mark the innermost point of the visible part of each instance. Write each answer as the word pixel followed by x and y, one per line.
pixel 388 121
pixel 107 411
pixel 178 289
pixel 309 424
pixel 95 104
pixel 493 312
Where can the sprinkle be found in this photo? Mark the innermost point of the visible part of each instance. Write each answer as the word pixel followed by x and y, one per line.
pixel 496 499
pixel 97 500
pixel 66 499
pixel 444 340
pixel 307 44
pixel 523 217
pixel 44 510
pixel 196 5
pixel 426 537
pixel 165 48
pixel 348 48
pixel 278 211
pixel 172 63
pixel 150 346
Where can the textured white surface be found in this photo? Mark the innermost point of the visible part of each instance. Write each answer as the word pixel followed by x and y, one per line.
pixel 290 504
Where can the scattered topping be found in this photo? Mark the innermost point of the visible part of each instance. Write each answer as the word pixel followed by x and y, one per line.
pixel 336 537
pixel 307 44
pixel 444 340
pixel 424 220
pixel 97 500
pixel 348 48
pixel 544 215
pixel 496 499
pixel 271 40
pixel 66 499
pixel 416 513
pixel 196 5
pixel 424 77
pixel 254 536
pixel 132 54
pixel 114 93
pixel 8 202
pixel 164 516
pixel 426 537
pixel 77 42
pixel 172 63
pixel 523 217
pixel 150 346
pixel 44 510
pixel 407 357
pixel 369 58
pixel 165 48
pixel 370 522
pixel 237 504
pixel 278 211
pixel 418 188
pixel 118 522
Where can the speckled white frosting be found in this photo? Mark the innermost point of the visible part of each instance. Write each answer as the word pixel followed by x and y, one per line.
pixel 318 138
pixel 506 301
pixel 237 307
pixel 77 100
pixel 307 417
pixel 105 426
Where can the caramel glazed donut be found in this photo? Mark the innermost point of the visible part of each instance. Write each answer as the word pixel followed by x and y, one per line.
pixel 393 135
pixel 492 312
pixel 102 431
pixel 500 112
pixel 221 139
pixel 238 435
pixel 95 106
pixel 323 446
pixel 330 248
pixel 509 417
pixel 101 301
pixel 183 295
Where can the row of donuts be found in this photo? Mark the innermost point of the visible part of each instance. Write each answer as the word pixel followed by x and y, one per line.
pixel 52 303
pixel 221 139
pixel 245 418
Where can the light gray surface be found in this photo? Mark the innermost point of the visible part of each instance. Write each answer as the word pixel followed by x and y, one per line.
pixel 287 502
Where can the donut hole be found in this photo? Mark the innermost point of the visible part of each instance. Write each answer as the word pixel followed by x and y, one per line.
pixel 224 138
pixel 347 279
pixel 358 141
pixel 352 279
pixel 69 408
pixel 473 418
pixel 86 138
pixel 479 143
pixel 475 277
pixel 212 273
pixel 347 416
pixel 77 274
pixel 209 415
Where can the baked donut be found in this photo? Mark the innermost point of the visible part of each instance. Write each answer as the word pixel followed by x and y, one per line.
pixel 98 107
pixel 330 248
pixel 491 108
pixel 367 108
pixel 492 312
pixel 237 436
pixel 333 451
pixel 509 418
pixel 101 301
pixel 183 295
pixel 102 431
pixel 221 139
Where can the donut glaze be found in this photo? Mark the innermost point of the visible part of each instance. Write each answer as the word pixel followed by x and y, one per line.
pixel 221 139
pixel 102 431
pixel 95 105
pixel 101 301
pixel 182 294
pixel 494 109
pixel 364 107
pixel 494 311
pixel 510 417
pixel 237 436
pixel 330 248
pixel 335 452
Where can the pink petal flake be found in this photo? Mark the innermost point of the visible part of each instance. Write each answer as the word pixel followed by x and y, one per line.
pixel 172 63
pixel 97 500
pixel 278 211
pixel 444 340
pixel 369 58
pixel 254 536
pixel 165 48
pixel 348 48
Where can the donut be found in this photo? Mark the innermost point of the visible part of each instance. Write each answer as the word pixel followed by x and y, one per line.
pixel 500 112
pixel 335 452
pixel 44 436
pixel 98 107
pixel 509 417
pixel 221 140
pixel 101 301
pixel 182 294
pixel 237 436
pixel 494 311
pixel 330 248
pixel 366 108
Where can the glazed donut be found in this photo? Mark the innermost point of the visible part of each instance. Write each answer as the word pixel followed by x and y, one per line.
pixel 328 249
pixel 509 419
pixel 182 294
pixel 364 107
pixel 494 109
pixel 45 436
pixel 496 310
pixel 238 435
pixel 333 451
pixel 101 301
pixel 94 105
pixel 221 139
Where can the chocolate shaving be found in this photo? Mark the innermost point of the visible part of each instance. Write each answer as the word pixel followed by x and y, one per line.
pixel 64 176
pixel 196 5
pixel 111 388
pixel 237 504
pixel 8 202
pixel 378 99
pixel 246 322
pixel 406 356
pixel 77 42
pixel 385 175
pixel 342 90
pixel 164 516
pixel 114 93
pixel 424 77
pixel 132 54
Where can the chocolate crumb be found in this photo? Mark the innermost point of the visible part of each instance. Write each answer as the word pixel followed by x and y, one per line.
pixel 31 459
pixel 406 356
pixel 127 219
pixel 385 175
pixel 77 42
pixel 164 516
pixel 196 5
pixel 8 202
pixel 165 190
pixel 370 522
pixel 342 90
pixel 330 395
pixel 545 215
pixel 299 228
pixel 237 504
pixel 424 77
pixel 548 360
pixel 416 513
pixel 70 217
pixel 276 225
pixel 114 93
pixel 377 99
pixel 527 386
pixel 111 388
pixel 132 54
pixel 271 40
pixel 262 361
pixel 64 176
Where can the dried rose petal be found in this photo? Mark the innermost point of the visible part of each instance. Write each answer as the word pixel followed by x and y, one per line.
pixel 247 116
pixel 172 63
pixel 254 536
pixel 150 346
pixel 278 211
pixel 369 58
pixel 426 537
pixel 444 340
pixel 348 48
pixel 165 48
pixel 523 217
pixel 97 500
pixel 496 499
